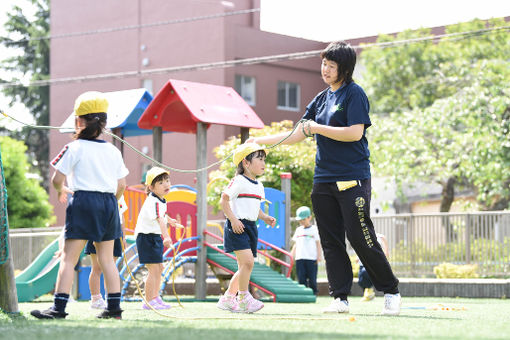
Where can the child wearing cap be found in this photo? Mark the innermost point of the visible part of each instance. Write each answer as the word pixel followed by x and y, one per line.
pixel 95 174
pixel 306 249
pixel 151 226
pixel 240 202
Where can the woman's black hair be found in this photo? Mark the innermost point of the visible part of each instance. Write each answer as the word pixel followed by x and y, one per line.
pixel 156 179
pixel 255 154
pixel 94 125
pixel 344 55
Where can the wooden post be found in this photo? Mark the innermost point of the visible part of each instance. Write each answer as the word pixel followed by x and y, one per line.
pixel 245 134
pixel 157 143
pixel 201 266
pixel 8 293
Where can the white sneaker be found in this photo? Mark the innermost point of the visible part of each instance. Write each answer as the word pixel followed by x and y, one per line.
pixel 98 304
pixel 392 304
pixel 337 306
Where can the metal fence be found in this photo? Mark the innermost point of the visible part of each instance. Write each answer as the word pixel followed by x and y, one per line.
pixel 417 242
pixel 27 243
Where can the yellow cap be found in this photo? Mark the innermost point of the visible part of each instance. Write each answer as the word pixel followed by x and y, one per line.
pixel 153 173
pixel 90 102
pixel 244 150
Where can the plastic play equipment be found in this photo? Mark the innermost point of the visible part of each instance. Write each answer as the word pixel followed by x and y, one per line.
pixel 40 276
pixel 279 286
pixel 190 107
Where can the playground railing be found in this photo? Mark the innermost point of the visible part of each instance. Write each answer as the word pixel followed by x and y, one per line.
pixel 269 256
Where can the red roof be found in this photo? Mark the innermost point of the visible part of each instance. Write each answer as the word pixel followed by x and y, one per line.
pixel 179 105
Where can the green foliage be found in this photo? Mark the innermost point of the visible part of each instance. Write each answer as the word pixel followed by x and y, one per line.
pixel 455 271
pixel 33 62
pixel 27 202
pixel 298 159
pixel 447 111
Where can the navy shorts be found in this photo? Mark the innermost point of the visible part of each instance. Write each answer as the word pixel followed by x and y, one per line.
pixel 150 248
pixel 93 216
pixel 117 248
pixel 247 240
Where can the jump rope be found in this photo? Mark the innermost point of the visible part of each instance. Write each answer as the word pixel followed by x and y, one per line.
pixel 305 126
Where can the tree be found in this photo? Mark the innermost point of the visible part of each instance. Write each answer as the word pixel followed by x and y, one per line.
pixel 27 203
pixel 298 159
pixel 29 36
pixel 447 112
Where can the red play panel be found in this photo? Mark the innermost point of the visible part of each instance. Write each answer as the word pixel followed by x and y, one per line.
pixel 179 105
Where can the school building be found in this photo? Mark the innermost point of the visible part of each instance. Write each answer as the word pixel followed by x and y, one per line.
pixel 98 37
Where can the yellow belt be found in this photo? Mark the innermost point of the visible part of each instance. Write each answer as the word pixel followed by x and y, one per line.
pixel 344 185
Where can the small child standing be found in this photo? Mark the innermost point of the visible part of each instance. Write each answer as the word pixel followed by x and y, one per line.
pixel 240 203
pixel 150 227
pixel 306 249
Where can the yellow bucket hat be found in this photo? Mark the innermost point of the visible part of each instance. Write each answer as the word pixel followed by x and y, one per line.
pixel 153 173
pixel 90 102
pixel 244 150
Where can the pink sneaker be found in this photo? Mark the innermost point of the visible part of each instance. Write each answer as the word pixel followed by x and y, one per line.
pixel 154 304
pixel 163 303
pixel 247 304
pixel 227 302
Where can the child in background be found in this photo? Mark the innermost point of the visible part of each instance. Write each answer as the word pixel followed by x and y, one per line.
pixel 96 176
pixel 363 278
pixel 240 202
pixel 306 249
pixel 150 227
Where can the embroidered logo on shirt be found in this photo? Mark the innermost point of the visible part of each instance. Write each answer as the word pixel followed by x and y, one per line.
pixel 336 108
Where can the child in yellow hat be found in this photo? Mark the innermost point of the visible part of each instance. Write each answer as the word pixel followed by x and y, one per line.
pixel 240 202
pixel 96 176
pixel 151 227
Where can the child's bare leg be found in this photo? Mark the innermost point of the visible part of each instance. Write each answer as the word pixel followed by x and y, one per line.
pixel 95 276
pixel 70 256
pixel 153 280
pixel 245 262
pixel 233 286
pixel 105 258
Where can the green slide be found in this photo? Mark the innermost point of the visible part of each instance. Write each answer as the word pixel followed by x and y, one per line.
pixel 285 289
pixel 40 276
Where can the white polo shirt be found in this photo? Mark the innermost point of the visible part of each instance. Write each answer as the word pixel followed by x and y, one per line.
pixel 306 242
pixel 153 207
pixel 91 165
pixel 245 197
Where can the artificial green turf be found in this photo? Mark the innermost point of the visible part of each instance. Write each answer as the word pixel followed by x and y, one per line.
pixel 480 319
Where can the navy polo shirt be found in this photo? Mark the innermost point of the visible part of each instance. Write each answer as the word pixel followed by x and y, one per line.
pixel 335 160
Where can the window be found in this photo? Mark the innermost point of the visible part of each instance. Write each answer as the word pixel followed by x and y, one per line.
pixel 288 96
pixel 245 86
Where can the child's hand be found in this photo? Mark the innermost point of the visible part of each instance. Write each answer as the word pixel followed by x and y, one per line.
pixel 57 254
pixel 167 242
pixel 237 226
pixel 270 220
pixel 62 195
pixel 174 223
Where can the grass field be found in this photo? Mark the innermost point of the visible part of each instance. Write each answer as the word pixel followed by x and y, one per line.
pixel 476 319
